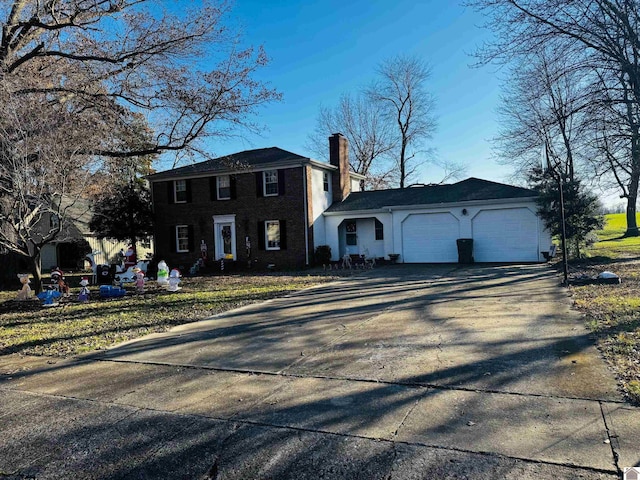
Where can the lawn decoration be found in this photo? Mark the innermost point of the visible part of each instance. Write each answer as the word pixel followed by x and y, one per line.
pixel 58 283
pixel 91 258
pixel 139 280
pixel 109 291
pixel 174 280
pixel 85 293
pixel 130 257
pixel 49 297
pixel 163 273
pixel 25 292
pixel 129 275
pixel 203 250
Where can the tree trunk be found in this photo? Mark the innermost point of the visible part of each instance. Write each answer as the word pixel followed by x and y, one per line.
pixel 632 197
pixel 403 150
pixel 36 272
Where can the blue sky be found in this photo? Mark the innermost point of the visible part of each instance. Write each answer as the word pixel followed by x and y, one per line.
pixel 320 50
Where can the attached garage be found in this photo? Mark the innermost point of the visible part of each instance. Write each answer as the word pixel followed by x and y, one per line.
pixel 422 224
pixel 430 238
pixel 505 235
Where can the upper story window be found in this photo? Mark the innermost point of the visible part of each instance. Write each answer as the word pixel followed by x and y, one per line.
pixel 223 187
pixel 270 178
pixel 180 191
pixel 325 181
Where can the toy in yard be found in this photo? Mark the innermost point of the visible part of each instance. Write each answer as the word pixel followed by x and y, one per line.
pixel 91 258
pixel 49 297
pixel 25 292
pixel 129 275
pixel 130 257
pixel 174 280
pixel 163 273
pixel 58 282
pixel 139 280
pixel 85 293
pixel 109 291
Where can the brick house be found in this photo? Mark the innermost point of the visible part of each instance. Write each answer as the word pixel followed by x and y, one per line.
pixel 259 206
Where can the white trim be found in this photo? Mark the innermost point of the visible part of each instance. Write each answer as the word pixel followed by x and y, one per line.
pixel 218 222
pixel 266 235
pixel 178 239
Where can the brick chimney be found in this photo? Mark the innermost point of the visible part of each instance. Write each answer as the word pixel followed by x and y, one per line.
pixel 339 156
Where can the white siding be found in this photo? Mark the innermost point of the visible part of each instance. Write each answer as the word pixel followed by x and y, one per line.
pixel 320 201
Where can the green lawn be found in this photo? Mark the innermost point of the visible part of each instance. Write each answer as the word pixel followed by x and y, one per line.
pixel 611 241
pixel 73 327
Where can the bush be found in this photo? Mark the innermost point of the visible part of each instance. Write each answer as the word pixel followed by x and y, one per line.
pixel 323 254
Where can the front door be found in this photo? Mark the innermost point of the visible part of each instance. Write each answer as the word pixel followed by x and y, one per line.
pixel 224 234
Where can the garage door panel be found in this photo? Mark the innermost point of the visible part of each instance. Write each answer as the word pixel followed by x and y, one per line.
pixel 505 235
pixel 430 238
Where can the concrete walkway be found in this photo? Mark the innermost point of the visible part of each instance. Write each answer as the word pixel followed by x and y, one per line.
pixel 401 373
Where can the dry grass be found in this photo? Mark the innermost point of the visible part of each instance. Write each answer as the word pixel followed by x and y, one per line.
pixel 73 327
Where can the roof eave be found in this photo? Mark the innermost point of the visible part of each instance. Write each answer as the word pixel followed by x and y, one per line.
pixel 431 206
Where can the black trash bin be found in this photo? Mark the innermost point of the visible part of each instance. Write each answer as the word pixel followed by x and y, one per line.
pixel 465 250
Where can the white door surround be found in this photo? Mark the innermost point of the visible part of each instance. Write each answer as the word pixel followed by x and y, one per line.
pixel 224 236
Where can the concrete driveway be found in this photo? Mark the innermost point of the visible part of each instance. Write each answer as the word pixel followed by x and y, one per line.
pixel 403 372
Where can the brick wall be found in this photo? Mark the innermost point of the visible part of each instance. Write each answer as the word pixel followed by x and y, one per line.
pixel 249 209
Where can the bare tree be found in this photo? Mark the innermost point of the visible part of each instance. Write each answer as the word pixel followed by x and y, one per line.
pixel 84 81
pixel 401 91
pixel 609 33
pixel 369 138
pixel 545 108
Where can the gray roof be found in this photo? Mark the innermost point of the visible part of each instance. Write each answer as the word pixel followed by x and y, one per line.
pixel 248 159
pixel 471 189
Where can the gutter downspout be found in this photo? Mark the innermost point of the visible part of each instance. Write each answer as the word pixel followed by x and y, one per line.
pixel 306 215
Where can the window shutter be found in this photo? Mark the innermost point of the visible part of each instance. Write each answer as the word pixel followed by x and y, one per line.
pixel 261 233
pixel 172 239
pixel 188 182
pixel 280 182
pixel 190 233
pixel 232 185
pixel 259 187
pixel 283 235
pixel 170 197
pixel 213 188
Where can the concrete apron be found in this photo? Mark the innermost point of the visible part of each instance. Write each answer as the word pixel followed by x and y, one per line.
pixel 468 362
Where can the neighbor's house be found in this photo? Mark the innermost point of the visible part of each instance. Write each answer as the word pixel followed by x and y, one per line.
pixel 260 206
pixel 68 250
pixel 271 206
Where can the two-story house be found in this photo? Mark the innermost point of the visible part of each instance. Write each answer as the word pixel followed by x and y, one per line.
pixel 259 206
pixel 270 206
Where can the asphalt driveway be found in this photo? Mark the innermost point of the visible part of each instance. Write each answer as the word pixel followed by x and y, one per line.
pixel 402 372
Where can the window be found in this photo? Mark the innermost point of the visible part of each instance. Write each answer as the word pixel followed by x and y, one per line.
pixel 325 181
pixel 182 238
pixel 180 191
pixel 272 232
pixel 352 236
pixel 223 187
pixel 379 230
pixel 145 242
pixel 270 183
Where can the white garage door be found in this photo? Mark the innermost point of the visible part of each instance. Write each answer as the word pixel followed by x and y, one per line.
pixel 506 235
pixel 430 238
